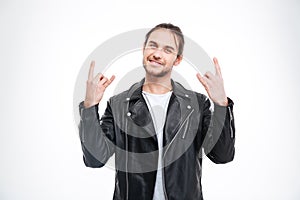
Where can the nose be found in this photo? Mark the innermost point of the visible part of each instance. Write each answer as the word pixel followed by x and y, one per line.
pixel 157 54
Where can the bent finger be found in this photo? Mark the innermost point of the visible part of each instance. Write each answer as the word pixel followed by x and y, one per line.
pixel 103 80
pixel 98 77
pixel 208 75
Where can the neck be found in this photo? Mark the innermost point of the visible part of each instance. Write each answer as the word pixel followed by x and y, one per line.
pixel 157 85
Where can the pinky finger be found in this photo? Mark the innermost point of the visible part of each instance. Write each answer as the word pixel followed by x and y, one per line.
pixel 112 78
pixel 108 82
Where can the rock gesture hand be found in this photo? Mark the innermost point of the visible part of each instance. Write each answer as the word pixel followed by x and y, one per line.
pixel 214 85
pixel 95 87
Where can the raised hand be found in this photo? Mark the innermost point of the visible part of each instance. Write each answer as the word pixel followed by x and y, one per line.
pixel 214 85
pixel 95 87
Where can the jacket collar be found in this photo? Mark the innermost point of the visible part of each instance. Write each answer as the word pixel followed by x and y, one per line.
pixel 135 91
pixel 182 104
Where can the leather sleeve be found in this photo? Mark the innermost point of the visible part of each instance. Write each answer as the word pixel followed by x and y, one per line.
pixel 97 136
pixel 219 131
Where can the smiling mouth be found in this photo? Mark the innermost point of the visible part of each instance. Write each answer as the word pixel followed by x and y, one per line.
pixel 155 63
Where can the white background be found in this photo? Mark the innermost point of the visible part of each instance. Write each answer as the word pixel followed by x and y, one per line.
pixel 44 43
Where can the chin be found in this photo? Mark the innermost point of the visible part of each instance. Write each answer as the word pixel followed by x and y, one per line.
pixel 153 71
pixel 156 74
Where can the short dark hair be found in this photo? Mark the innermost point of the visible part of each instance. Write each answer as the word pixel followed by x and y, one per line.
pixel 174 29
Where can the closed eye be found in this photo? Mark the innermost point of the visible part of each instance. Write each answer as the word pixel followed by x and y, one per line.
pixel 152 44
pixel 168 50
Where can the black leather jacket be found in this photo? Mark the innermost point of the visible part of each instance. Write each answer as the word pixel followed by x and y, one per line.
pixel 126 130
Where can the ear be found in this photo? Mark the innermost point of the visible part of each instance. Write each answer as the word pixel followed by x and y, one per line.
pixel 178 60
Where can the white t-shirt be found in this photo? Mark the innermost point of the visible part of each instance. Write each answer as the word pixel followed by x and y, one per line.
pixel 158 105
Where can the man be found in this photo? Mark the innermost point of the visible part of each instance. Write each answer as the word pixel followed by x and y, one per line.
pixel 157 128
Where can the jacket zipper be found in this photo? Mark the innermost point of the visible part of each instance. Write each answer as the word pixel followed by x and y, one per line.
pixel 126 160
pixel 186 126
pixel 83 132
pixel 178 132
pixel 231 118
pixel 164 183
pixel 163 163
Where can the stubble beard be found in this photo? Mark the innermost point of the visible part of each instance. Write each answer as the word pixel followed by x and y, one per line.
pixel 160 74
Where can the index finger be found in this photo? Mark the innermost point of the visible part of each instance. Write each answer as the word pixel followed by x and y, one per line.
pixel 218 69
pixel 91 71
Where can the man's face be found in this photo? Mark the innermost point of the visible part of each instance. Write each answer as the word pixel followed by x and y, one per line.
pixel 160 53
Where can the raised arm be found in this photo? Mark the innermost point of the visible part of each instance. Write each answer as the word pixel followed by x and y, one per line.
pixel 97 139
pixel 218 122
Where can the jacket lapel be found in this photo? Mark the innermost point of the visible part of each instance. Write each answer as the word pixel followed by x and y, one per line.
pixel 139 112
pixel 179 109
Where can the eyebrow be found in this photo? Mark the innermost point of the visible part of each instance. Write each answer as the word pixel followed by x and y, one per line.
pixel 167 46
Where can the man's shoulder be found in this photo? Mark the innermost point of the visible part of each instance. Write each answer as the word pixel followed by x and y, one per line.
pixel 183 90
pixel 126 94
